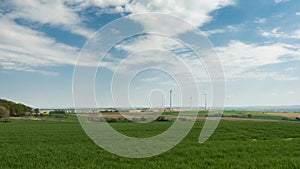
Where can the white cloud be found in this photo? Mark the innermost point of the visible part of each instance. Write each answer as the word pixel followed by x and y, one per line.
pixel 275 33
pixel 29 49
pixel 54 13
pixel 81 4
pixel 289 69
pixel 148 42
pixel 195 12
pixel 22 48
pixel 263 74
pixel 151 79
pixel 159 52
pixel 227 29
pixel 192 11
pixel 274 94
pixel 298 13
pixel 280 1
pixel 260 20
pixel 291 92
pixel 25 49
pixel 212 32
pixel 6 65
pixel 240 60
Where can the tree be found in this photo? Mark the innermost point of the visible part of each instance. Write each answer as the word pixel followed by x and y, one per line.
pixel 15 109
pixel 36 112
pixel 57 112
pixel 4 113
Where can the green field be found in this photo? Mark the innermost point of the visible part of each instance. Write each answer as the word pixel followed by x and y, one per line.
pixel 244 114
pixel 62 143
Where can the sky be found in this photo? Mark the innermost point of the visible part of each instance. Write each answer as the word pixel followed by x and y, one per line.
pixel 42 43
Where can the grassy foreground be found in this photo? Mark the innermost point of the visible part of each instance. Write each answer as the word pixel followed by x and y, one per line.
pixel 235 144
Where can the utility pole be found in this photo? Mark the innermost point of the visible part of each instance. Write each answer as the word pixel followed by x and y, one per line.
pixel 205 106
pixel 171 100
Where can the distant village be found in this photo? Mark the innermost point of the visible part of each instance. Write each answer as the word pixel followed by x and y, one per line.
pixel 105 110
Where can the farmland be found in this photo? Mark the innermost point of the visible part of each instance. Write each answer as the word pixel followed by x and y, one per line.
pixel 62 143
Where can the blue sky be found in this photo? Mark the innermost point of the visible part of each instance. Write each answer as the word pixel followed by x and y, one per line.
pixel 257 43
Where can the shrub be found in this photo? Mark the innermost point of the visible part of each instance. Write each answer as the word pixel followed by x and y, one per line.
pixel 163 118
pixel 4 113
pixel 111 120
pixel 57 112
pixel 121 119
pixel 27 114
pixel 135 119
pixel 143 119
pixel 111 110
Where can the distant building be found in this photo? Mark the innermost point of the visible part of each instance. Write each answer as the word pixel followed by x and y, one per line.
pixel 135 111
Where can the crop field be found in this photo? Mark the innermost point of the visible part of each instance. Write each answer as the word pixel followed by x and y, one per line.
pixel 61 143
pixel 291 116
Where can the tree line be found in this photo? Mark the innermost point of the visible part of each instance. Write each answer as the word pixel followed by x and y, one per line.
pixel 13 109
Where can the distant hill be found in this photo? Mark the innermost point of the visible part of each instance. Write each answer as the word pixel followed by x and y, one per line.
pixel 291 108
pixel 15 109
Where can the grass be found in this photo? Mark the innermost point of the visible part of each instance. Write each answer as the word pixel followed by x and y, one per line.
pixel 61 143
pixel 254 115
pixel 240 114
